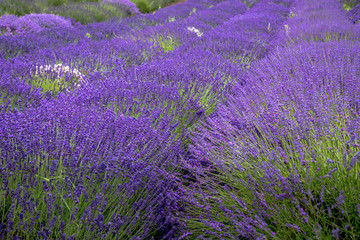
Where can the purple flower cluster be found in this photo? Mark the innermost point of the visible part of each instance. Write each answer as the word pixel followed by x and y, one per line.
pixel 33 41
pixel 251 33
pixel 32 23
pixel 126 3
pixel 180 11
pixel 318 21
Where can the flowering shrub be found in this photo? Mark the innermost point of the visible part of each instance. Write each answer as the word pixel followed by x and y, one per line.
pixel 7 23
pixel 48 21
pixel 13 25
pixel 221 13
pixel 108 188
pixel 318 21
pixel 32 23
pixel 276 146
pixel 281 154
pixel 180 11
pixel 126 3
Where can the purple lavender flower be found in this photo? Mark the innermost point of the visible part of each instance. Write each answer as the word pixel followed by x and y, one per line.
pixel 354 14
pixel 330 161
pixel 340 200
pixel 48 21
pixel 23 25
pixel 294 226
pixel 353 161
pixel 126 3
pixel 32 23
pixel 335 233
pixel 7 23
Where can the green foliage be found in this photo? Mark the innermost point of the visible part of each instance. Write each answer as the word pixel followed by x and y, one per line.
pixel 84 1
pixel 62 7
pixel 144 6
pixel 85 11
pixel 54 86
pixel 349 4
pixel 250 3
pixel 168 44
pixel 20 7
pixel 57 2
pixel 89 12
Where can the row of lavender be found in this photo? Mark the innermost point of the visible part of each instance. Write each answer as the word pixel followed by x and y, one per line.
pixel 92 132
pixel 62 33
pixel 111 57
pixel 282 153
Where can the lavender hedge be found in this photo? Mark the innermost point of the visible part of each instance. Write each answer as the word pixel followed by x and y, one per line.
pixel 279 159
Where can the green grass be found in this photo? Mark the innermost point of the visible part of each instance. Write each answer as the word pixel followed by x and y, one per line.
pixel 349 4
pixel 144 6
pixel 168 44
pixel 147 6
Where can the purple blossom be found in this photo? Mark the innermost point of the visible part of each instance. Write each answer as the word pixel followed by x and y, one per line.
pixel 340 200
pixel 48 21
pixel 126 3
pixel 293 226
pixel 329 161
pixel 32 23
pixel 335 233
pixel 354 14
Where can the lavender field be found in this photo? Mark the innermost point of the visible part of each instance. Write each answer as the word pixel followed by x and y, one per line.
pixel 207 119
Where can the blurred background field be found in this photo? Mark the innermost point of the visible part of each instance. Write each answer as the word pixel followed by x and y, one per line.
pixel 89 11
pixel 84 11
pixel 81 11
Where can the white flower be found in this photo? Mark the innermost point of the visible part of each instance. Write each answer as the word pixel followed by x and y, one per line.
pixel 60 70
pixel 194 30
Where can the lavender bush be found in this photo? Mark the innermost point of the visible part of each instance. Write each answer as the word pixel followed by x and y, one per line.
pixel 281 154
pixel 288 158
pixel 32 23
pixel 318 21
pixel 92 191
pixel 127 4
